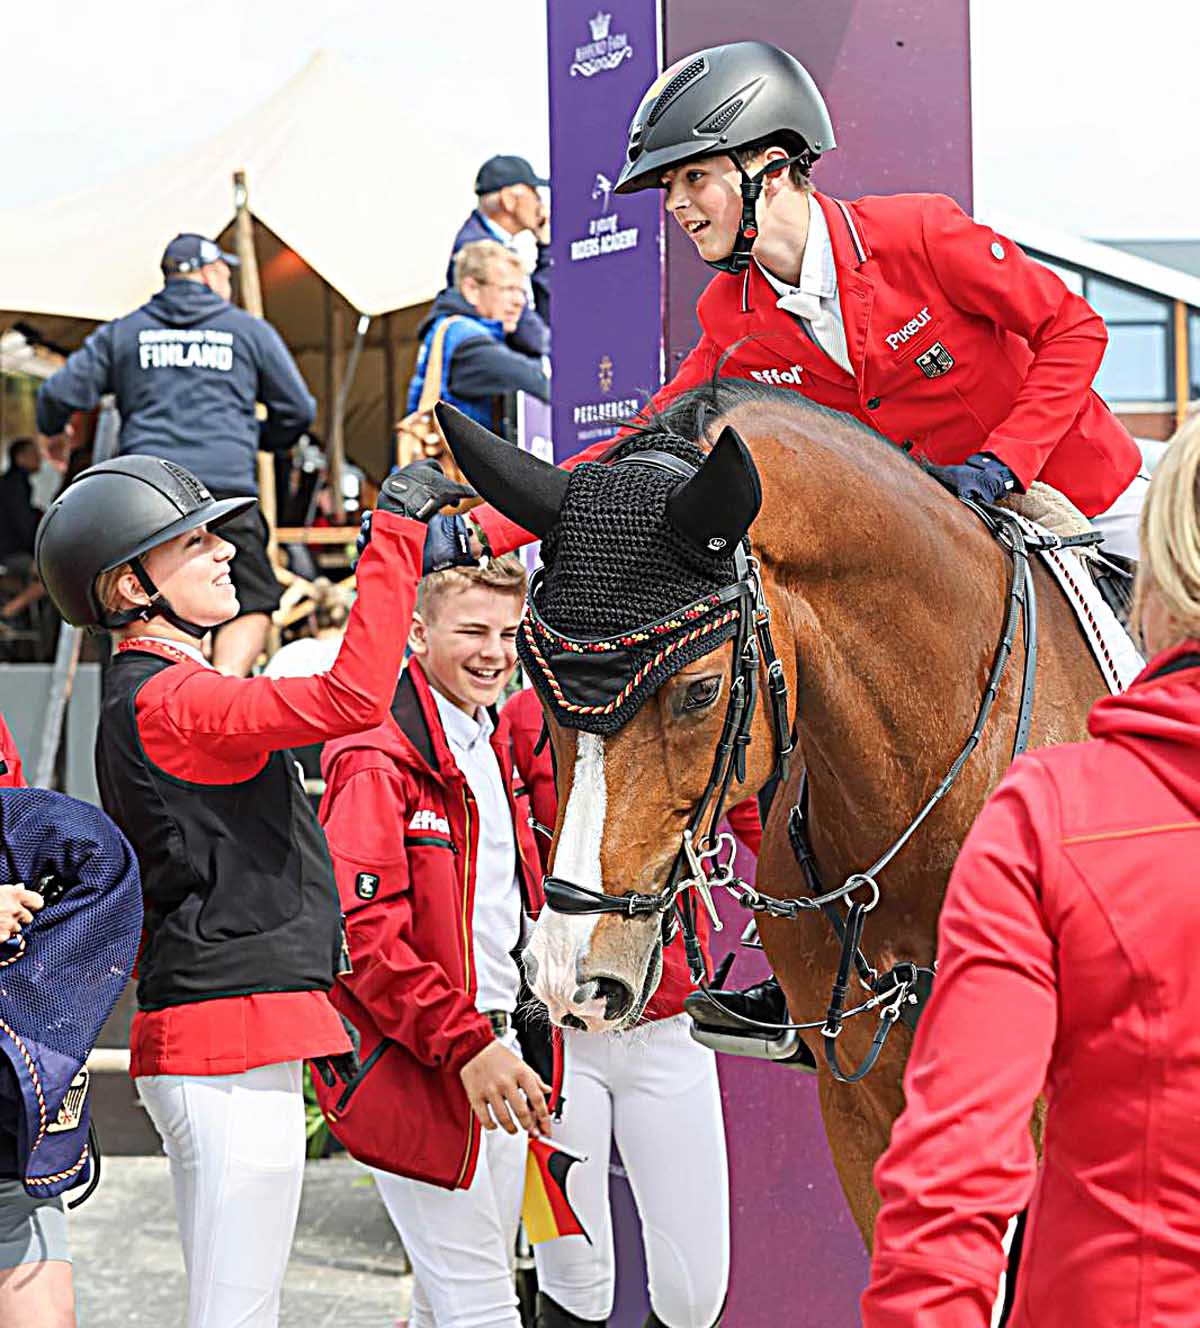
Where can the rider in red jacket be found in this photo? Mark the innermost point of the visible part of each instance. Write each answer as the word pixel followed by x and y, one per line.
pixel 1067 968
pixel 901 311
pixel 11 775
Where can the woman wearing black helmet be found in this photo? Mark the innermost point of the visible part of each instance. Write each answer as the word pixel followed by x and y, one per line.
pixel 243 927
pixel 901 311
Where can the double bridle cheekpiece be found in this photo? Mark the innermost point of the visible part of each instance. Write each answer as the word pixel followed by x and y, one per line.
pixel 705 858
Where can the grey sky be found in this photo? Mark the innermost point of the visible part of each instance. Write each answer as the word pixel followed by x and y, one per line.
pixel 1085 114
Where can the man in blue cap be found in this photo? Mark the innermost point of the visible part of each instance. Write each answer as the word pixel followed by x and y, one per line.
pixel 508 203
pixel 187 370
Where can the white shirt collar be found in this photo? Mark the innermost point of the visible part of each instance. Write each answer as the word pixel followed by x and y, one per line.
pixel 462 730
pixel 818 275
pixel 498 231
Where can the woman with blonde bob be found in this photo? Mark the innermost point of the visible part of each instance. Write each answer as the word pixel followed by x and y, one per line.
pixel 1068 967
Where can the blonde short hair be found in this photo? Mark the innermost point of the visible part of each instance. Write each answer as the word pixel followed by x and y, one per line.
pixel 108 596
pixel 1170 534
pixel 475 259
pixel 506 576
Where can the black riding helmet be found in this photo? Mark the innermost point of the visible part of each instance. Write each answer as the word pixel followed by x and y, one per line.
pixel 715 102
pixel 112 514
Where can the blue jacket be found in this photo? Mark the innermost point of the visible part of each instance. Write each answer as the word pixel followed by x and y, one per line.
pixel 532 333
pixel 60 980
pixel 186 369
pixel 477 364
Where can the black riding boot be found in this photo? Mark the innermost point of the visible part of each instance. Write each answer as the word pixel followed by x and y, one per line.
pixel 550 1314
pixel 655 1322
pixel 765 1003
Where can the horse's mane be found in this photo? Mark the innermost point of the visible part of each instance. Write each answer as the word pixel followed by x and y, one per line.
pixel 676 427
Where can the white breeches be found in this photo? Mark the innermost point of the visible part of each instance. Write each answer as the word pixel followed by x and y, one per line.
pixel 236 1147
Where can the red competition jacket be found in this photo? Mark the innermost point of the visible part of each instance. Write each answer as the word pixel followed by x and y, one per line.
pixel 960 344
pixel 524 714
pixel 1066 965
pixel 202 729
pixel 403 831
pixel 11 775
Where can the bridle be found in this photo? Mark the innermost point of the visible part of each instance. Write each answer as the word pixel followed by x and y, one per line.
pixel 901 992
pixel 753 652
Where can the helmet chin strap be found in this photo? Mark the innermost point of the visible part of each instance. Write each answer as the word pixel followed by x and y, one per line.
pixel 738 260
pixel 159 607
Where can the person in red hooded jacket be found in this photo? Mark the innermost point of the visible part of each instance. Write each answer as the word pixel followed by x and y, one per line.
pixel 1067 968
pixel 655 1091
pixel 428 829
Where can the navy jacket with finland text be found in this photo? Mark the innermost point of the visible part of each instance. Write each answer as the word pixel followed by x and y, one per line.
pixel 59 979
pixel 186 369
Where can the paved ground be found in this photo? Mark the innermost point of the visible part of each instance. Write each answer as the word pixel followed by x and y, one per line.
pixel 347 1268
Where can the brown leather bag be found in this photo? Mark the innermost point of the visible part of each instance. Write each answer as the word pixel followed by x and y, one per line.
pixel 417 434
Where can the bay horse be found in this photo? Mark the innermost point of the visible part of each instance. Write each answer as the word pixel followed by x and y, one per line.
pixel 887 597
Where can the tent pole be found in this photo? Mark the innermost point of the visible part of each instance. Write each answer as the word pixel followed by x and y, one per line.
pixel 252 302
pixel 1182 364
pixel 335 443
pixel 389 387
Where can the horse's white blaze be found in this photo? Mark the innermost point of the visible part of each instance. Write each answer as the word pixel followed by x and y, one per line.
pixel 561 941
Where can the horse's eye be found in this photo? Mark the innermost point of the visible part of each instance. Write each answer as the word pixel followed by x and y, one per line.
pixel 703 692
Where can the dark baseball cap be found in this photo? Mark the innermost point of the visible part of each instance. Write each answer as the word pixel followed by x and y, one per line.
pixel 500 172
pixel 189 253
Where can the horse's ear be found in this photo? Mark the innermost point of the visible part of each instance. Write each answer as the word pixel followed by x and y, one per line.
pixel 525 488
pixel 714 509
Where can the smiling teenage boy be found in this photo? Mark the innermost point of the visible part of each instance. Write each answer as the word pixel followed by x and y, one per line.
pixel 437 870
pixel 901 311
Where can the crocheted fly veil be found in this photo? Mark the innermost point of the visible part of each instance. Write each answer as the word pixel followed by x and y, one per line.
pixel 624 601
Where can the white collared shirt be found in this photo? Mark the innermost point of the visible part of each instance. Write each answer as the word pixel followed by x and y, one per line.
pixel 497 915
pixel 815 300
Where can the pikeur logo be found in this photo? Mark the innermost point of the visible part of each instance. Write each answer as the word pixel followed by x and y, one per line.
pixel 778 377
pixel 897 339
pixel 428 820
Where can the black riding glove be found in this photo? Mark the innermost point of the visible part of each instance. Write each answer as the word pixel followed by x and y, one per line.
pixel 448 544
pixel 417 491
pixel 982 479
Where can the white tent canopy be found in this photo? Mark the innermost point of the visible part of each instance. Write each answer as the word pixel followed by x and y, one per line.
pixel 333 169
pixel 355 206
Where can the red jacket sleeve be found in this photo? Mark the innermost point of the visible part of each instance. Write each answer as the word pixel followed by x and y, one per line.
pixel 1065 334
pixel 745 823
pixel 182 714
pixel 961 1161
pixel 524 715
pixel 11 774
pixel 503 535
pixel 411 1000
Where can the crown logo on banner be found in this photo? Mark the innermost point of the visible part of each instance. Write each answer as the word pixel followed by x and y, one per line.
pixel 599 25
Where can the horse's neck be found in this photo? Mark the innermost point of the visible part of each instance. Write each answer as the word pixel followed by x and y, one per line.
pixel 895 610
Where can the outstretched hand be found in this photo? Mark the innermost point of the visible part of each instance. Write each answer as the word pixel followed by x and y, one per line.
pixel 419 490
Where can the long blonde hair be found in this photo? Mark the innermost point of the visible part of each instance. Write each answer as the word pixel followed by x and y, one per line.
pixel 1170 534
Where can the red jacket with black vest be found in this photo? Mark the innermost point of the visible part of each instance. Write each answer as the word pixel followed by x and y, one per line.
pixel 959 343
pixel 403 831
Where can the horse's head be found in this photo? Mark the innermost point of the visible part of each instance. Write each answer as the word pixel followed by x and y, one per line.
pixel 640 639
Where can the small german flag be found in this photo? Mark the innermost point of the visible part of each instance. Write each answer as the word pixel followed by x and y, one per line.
pixel 547 1211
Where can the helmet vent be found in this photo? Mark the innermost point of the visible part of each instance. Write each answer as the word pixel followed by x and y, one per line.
pixel 686 76
pixel 722 119
pixel 188 482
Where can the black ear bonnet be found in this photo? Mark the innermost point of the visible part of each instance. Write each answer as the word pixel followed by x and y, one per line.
pixel 639 576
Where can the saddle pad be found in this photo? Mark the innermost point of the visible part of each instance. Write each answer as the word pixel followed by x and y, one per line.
pixel 1114 649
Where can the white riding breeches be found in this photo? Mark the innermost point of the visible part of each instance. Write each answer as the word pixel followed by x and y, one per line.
pixel 1119 524
pixel 461 1242
pixel 235 1143
pixel 655 1092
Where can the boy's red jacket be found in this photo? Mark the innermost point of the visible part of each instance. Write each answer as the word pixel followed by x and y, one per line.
pixel 1066 966
pixel 403 831
pixel 524 715
pixel 959 342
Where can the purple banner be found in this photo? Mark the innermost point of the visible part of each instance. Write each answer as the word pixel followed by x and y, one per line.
pixel 606 311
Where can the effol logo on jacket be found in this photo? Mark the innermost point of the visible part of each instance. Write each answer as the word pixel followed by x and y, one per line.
pixel 936 361
pixel 605 51
pixel 426 819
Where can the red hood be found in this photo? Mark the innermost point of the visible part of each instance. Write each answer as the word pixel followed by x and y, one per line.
pixel 1158 719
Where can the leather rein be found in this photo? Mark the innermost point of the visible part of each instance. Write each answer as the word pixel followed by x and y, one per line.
pixel 901 992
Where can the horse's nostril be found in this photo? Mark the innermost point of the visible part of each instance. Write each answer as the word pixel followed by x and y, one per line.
pixel 618 999
pixel 574 1021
